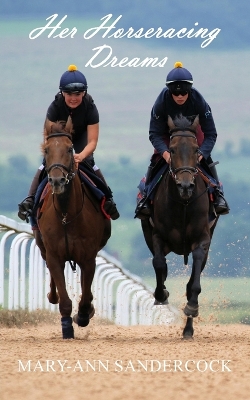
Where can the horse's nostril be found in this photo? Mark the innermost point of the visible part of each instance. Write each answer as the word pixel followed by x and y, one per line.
pixel 187 185
pixel 56 182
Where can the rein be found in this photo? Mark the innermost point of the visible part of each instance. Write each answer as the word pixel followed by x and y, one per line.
pixel 185 204
pixel 65 223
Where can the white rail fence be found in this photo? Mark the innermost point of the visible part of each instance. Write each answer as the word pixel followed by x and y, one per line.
pixel 119 296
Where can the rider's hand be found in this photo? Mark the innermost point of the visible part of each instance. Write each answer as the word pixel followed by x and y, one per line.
pixel 166 156
pixel 77 158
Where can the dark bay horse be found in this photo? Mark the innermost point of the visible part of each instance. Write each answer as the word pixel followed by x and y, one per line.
pixel 72 226
pixel 180 222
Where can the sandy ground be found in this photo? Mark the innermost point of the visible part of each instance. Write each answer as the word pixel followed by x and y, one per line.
pixel 114 362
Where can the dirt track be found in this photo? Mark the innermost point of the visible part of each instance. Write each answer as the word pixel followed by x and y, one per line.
pixel 128 363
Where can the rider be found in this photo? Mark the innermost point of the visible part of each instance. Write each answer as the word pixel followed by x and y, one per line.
pixel 74 101
pixel 179 97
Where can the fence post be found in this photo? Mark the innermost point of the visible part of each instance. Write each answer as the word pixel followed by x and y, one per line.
pixel 118 295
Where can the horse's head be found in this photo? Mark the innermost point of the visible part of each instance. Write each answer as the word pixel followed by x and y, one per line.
pixel 183 149
pixel 58 154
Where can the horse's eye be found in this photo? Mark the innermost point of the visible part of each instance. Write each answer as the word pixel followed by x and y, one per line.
pixel 171 150
pixel 45 151
pixel 70 149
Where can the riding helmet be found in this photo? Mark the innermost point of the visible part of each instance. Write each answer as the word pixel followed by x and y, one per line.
pixel 179 78
pixel 73 81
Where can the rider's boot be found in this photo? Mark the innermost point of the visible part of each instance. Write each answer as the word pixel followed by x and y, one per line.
pixel 220 204
pixel 26 206
pixel 109 205
pixel 143 209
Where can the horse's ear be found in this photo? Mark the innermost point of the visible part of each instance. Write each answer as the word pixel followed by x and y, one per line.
pixel 47 128
pixel 69 125
pixel 170 123
pixel 195 123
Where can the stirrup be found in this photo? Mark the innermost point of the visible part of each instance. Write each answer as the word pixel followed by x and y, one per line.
pixel 220 204
pixel 25 208
pixel 142 210
pixel 222 210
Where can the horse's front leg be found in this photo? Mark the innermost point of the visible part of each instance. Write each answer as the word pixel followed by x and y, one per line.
pixel 161 271
pixel 194 288
pixel 86 309
pixel 39 243
pixel 56 269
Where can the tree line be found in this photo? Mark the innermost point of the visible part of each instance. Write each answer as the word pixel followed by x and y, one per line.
pixel 230 245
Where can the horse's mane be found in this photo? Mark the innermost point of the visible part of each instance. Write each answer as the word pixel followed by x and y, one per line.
pixel 181 122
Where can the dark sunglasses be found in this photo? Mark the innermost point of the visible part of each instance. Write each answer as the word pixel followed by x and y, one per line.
pixel 179 92
pixel 75 93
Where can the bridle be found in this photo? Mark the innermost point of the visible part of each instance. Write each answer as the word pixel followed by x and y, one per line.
pixel 193 171
pixel 173 171
pixel 70 174
pixel 68 177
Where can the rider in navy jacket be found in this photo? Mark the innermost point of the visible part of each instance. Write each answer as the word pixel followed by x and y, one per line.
pixel 179 97
pixel 194 105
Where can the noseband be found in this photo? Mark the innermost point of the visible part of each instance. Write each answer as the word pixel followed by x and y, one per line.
pixel 190 170
pixel 70 175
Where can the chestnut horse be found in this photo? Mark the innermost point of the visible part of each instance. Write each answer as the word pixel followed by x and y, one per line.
pixel 180 222
pixel 72 226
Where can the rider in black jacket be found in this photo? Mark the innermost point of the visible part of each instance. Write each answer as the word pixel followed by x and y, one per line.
pixel 74 101
pixel 179 97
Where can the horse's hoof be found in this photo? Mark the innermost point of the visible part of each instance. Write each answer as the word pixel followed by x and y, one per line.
pixel 187 336
pixel 83 319
pixel 190 311
pixel 67 328
pixel 158 303
pixel 53 300
pixel 92 312
pixel 165 299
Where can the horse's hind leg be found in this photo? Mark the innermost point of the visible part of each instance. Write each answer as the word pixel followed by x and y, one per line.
pixel 188 331
pixel 86 309
pixel 53 296
pixel 161 271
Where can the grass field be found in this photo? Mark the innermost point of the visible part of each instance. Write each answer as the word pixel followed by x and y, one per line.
pixel 221 300
pixel 224 301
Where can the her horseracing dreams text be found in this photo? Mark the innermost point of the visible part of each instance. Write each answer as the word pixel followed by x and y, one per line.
pixel 107 29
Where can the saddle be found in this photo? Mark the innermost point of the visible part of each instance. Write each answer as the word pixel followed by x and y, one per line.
pixel 159 171
pixel 44 191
